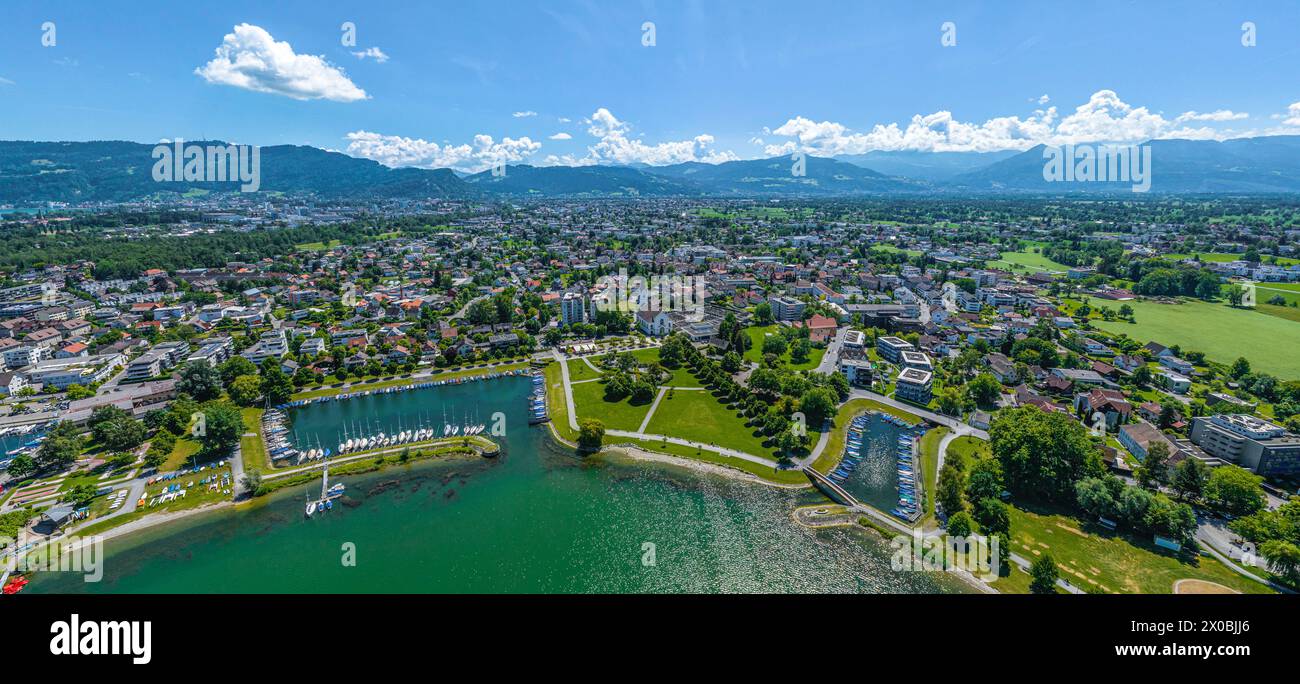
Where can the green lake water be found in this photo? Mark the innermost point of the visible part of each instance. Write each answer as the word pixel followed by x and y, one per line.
pixel 535 519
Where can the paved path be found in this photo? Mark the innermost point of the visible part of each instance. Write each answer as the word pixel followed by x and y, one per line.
pixel 653 406
pixel 807 461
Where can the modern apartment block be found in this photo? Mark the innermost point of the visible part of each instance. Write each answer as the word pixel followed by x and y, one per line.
pixel 572 308
pixel 914 385
pixel 891 348
pixel 1249 442
pixel 786 308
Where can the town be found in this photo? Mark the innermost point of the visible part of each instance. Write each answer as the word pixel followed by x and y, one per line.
pixel 1086 379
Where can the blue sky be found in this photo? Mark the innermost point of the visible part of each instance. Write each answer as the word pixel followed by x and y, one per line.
pixel 723 79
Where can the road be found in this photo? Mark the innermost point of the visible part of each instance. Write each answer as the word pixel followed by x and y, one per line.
pixel 832 356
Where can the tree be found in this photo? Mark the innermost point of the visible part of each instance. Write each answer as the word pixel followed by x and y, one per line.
pixel 763 313
pixel 21 466
pixel 119 433
pixel 60 448
pixel 1190 476
pixel 245 390
pixel 1043 454
pixel 276 386
pixel 984 389
pixel 1142 377
pixel 774 344
pixel 960 524
pixel 1096 496
pixel 1283 558
pixel 1235 294
pixel 79 495
pixel 951 483
pixel 800 350
pixel 222 425
pixel 253 480
pixel 1240 368
pixel 235 367
pixel 75 392
pixel 993 516
pixel 951 400
pixel 1043 575
pixel 1235 490
pixel 591 433
pixel 818 405
pixel 1154 470
pixel 199 380
pixel 985 480
pixel 840 385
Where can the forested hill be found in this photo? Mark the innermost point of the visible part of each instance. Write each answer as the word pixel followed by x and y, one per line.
pixel 115 171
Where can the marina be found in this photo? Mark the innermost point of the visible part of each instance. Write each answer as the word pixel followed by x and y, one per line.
pixel 879 464
pixel 399 416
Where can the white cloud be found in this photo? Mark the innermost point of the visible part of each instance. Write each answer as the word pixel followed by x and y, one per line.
pixel 394 150
pixel 564 119
pixel 1292 114
pixel 251 59
pixel 5 81
pixel 524 114
pixel 1217 115
pixel 1103 118
pixel 614 145
pixel 561 136
pixel 372 53
pixel 1043 99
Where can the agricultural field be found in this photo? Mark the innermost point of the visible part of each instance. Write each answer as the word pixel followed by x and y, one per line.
pixel 1220 331
pixel 1028 261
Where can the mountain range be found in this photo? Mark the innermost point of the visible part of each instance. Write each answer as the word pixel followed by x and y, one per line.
pixel 115 171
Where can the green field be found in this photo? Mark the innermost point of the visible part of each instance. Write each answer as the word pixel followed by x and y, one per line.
pixel 1221 332
pixel 699 417
pixel 1218 257
pixel 579 370
pixel 589 401
pixel 1028 261
pixel 1107 562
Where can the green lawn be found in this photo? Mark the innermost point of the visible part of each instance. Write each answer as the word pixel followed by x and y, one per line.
pixel 579 370
pixel 1028 261
pixel 589 401
pixel 973 448
pixel 930 465
pixel 1094 559
pixel 180 455
pixel 700 417
pixel 253 448
pixel 683 377
pixel 755 352
pixel 1223 258
pixel 1220 331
